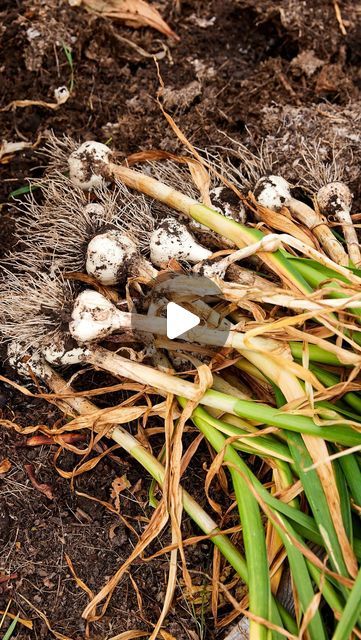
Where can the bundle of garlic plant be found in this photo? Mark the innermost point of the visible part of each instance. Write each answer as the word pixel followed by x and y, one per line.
pixel 283 386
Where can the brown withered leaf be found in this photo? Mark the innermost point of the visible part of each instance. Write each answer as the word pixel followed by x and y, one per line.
pixel 118 485
pixel 136 13
pixel 5 466
pixel 39 486
pixel 67 438
pixel 78 580
pixel 130 635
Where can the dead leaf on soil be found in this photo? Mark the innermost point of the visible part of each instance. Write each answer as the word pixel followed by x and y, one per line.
pixel 78 580
pixel 66 438
pixel 156 525
pixel 5 466
pixel 39 486
pixel 43 617
pixel 130 635
pixel 136 13
pixel 26 623
pixel 6 578
pixel 118 485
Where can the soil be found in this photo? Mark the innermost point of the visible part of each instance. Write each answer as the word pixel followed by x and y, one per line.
pixel 281 71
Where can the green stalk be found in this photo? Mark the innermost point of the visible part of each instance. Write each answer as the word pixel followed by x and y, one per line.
pixel 228 550
pixel 345 502
pixel 302 581
pixel 316 354
pixel 318 501
pixel 198 515
pixel 202 421
pixel 272 448
pixel 261 413
pixel 316 276
pixel 303 522
pixel 239 234
pixel 258 445
pixel 256 554
pixel 302 424
pixel 253 533
pixel 350 613
pixel 352 474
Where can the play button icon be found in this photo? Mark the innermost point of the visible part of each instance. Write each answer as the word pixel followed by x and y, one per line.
pixel 179 320
pixel 186 309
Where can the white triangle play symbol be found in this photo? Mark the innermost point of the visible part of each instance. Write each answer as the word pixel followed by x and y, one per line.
pixel 179 320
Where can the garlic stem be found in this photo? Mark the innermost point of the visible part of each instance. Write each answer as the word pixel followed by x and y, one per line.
pixel 285 238
pixel 268 243
pixel 94 318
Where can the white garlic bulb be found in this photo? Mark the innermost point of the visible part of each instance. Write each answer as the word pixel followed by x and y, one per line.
pixel 109 255
pixel 273 192
pixel 172 240
pixel 60 352
pixel 228 203
pixel 86 163
pixel 334 197
pixel 94 317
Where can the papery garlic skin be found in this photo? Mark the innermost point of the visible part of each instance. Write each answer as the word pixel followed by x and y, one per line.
pixel 108 256
pixel 273 192
pixel 172 240
pixel 94 317
pixel 85 162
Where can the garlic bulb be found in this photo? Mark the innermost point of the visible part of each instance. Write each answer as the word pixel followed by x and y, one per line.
pixel 227 202
pixel 172 240
pixel 85 165
pixel 108 256
pixel 273 192
pixel 94 317
pixel 96 210
pixel 335 198
pixel 24 362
